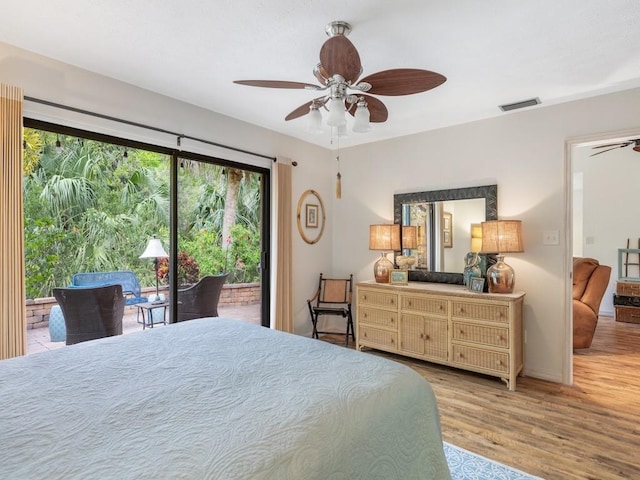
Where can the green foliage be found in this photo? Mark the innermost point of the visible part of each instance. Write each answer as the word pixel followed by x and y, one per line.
pixel 88 207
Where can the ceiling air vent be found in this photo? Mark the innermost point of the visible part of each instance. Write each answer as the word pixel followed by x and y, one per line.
pixel 524 103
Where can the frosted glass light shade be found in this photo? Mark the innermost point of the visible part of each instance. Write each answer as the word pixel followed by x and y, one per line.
pixel 361 119
pixel 314 124
pixel 336 113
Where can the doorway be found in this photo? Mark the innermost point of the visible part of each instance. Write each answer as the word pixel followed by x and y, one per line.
pixel 601 186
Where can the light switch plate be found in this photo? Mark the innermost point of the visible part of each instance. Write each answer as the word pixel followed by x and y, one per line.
pixel 551 237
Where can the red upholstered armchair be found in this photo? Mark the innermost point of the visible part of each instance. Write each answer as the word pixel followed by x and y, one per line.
pixel 590 280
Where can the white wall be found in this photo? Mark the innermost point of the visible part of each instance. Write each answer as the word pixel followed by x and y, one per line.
pixel 611 211
pixel 46 79
pixel 522 152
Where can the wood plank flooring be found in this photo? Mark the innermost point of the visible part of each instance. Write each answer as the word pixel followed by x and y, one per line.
pixel 590 430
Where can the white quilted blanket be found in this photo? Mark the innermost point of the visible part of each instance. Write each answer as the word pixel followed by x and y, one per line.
pixel 215 399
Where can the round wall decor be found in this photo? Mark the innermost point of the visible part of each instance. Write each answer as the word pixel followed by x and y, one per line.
pixel 310 216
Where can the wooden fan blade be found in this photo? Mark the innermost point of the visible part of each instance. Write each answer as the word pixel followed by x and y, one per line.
pixel 403 81
pixel 276 84
pixel 378 113
pixel 321 74
pixel 339 56
pixel 299 112
pixel 614 145
pixel 605 151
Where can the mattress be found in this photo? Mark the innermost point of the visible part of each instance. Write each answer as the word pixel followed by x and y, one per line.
pixel 216 398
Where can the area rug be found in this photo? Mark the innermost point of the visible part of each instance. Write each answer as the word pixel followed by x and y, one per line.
pixel 465 465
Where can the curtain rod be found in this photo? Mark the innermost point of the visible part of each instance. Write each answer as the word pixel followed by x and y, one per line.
pixel 148 127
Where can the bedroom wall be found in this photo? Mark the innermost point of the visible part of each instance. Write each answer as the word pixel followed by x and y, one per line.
pixel 523 153
pixel 610 210
pixel 50 80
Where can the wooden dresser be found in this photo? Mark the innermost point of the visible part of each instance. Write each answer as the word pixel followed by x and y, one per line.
pixel 444 324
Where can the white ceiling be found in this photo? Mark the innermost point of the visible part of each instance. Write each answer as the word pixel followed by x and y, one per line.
pixel 492 52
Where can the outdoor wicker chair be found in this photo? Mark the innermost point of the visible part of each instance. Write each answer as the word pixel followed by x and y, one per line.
pixel 92 312
pixel 201 300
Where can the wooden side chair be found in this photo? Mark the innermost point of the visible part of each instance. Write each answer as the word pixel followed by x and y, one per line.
pixel 333 297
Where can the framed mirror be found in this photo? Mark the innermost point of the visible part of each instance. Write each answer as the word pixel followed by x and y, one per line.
pixel 310 216
pixel 445 220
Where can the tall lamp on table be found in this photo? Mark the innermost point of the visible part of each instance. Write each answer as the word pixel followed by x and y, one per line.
pixel 155 250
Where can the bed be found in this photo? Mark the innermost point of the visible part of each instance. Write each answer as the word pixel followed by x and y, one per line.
pixel 216 398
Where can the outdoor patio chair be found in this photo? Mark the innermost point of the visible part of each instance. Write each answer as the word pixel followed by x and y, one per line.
pixel 201 300
pixel 92 312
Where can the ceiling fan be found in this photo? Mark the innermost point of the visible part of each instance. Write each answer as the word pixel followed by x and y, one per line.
pixel 613 146
pixel 338 73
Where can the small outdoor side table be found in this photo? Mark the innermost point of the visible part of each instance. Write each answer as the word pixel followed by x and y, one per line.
pixel 148 318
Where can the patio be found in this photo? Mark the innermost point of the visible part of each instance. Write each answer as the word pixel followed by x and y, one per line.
pixel 38 339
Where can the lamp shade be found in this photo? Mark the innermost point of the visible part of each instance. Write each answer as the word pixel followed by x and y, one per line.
pixel 154 249
pixel 409 237
pixel 502 236
pixel 476 237
pixel 384 237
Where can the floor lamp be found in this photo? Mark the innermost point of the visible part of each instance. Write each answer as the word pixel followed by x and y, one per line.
pixel 155 250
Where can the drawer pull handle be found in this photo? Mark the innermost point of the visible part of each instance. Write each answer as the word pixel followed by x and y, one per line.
pixel 364 334
pixel 460 355
pixel 461 332
pixel 498 337
pixel 409 303
pixel 391 320
pixel 427 337
pixel 499 363
pixel 364 297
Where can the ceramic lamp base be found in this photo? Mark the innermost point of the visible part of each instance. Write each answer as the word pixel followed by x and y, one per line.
pixel 501 277
pixel 382 268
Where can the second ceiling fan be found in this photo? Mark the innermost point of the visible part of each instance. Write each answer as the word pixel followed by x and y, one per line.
pixel 338 73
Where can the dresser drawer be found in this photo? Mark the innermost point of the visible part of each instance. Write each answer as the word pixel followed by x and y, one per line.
pixel 477 357
pixel 425 305
pixel 376 316
pixel 628 289
pixel 480 311
pixel 370 336
pixel 379 299
pixel 469 332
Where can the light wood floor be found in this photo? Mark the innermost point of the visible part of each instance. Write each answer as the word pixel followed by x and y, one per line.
pixel 590 430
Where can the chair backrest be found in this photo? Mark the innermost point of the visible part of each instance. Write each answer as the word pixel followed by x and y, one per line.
pixel 92 312
pixel 590 281
pixel 335 290
pixel 126 278
pixel 201 300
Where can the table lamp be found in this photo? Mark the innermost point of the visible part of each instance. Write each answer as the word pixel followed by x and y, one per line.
pixel 385 238
pixel 155 250
pixel 500 237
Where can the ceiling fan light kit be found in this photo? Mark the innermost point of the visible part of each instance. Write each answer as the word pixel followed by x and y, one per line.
pixel 339 71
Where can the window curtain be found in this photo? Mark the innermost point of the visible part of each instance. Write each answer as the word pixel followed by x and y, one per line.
pixel 284 275
pixel 13 341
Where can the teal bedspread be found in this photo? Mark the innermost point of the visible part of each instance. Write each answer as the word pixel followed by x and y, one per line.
pixel 220 399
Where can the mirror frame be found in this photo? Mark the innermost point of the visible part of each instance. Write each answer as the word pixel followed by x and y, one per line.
pixel 488 192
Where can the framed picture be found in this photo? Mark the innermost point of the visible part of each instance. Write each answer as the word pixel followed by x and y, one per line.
pixel 311 216
pixel 476 284
pixel 399 277
pixel 447 230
